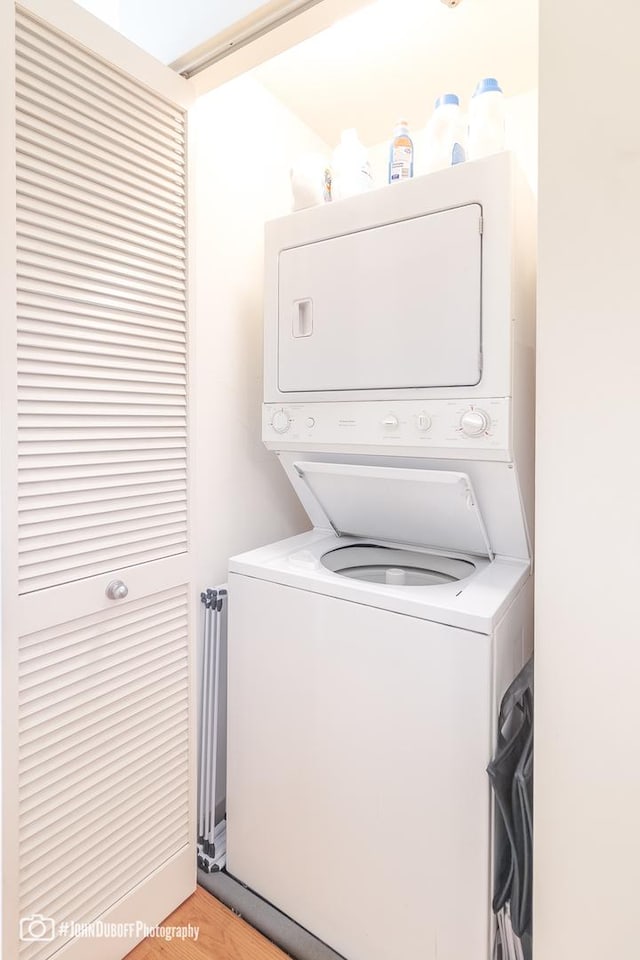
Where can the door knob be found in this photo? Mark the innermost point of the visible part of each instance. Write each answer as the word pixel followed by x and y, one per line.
pixel 117 590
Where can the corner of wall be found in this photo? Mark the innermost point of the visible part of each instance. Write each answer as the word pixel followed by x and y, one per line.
pixel 244 143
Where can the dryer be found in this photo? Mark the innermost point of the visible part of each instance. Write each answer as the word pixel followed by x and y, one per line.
pixel 367 656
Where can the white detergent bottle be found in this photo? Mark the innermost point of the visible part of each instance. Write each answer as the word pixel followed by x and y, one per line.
pixel 351 173
pixel 310 181
pixel 445 136
pixel 486 120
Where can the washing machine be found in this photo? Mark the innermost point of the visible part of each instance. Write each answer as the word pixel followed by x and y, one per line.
pixel 367 657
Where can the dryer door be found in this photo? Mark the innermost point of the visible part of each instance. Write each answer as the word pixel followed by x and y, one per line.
pixel 394 307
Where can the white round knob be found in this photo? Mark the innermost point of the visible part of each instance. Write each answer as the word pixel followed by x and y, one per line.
pixel 310 422
pixel 424 421
pixel 474 423
pixel 280 421
pixel 391 422
pixel 116 590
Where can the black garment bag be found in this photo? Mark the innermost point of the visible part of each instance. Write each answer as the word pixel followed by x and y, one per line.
pixel 511 775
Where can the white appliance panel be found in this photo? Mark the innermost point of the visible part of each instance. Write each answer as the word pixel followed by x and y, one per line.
pixel 496 486
pixel 431 428
pixel 334 801
pixel 429 508
pixel 493 186
pixel 476 603
pixel 395 306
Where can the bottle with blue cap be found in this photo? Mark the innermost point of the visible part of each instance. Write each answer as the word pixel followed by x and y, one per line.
pixel 486 120
pixel 444 143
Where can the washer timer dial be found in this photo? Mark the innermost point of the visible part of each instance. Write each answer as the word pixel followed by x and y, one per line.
pixel 281 421
pixel 474 423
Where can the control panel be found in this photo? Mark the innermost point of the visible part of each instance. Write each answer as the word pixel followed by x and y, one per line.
pixel 434 425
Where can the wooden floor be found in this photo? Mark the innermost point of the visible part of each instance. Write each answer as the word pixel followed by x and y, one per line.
pixel 223 936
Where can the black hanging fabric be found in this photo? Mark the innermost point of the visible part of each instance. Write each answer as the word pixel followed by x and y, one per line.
pixel 511 775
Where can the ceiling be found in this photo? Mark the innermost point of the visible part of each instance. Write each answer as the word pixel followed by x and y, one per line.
pixel 394 57
pixel 167 29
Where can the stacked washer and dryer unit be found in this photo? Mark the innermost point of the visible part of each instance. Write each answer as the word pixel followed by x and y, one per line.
pixel 368 656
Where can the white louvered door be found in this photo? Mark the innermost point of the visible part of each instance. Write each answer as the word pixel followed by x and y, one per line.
pixel 104 824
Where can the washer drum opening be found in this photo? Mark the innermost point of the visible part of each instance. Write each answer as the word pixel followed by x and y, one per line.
pixel 396 567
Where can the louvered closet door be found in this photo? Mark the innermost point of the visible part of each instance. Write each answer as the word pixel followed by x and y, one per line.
pixel 104 684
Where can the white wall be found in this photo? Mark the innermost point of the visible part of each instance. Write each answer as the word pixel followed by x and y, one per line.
pixel 394 57
pixel 587 790
pixel 245 142
pixel 522 133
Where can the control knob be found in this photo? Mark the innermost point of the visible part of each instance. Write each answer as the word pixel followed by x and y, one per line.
pixel 474 423
pixel 423 421
pixel 391 422
pixel 280 421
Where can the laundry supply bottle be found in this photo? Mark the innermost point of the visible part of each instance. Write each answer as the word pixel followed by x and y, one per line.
pixel 400 153
pixel 486 120
pixel 351 173
pixel 310 180
pixel 445 135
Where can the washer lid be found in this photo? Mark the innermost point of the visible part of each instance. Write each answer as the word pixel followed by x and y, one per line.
pixel 429 508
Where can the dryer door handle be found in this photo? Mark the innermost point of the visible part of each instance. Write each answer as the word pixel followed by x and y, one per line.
pixel 303 318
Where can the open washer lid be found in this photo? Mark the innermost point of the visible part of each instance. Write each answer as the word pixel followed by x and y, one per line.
pixel 429 508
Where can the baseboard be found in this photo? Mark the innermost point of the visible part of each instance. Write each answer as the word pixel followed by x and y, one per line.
pixel 292 939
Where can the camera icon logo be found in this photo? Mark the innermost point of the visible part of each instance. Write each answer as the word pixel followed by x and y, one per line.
pixel 37 928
